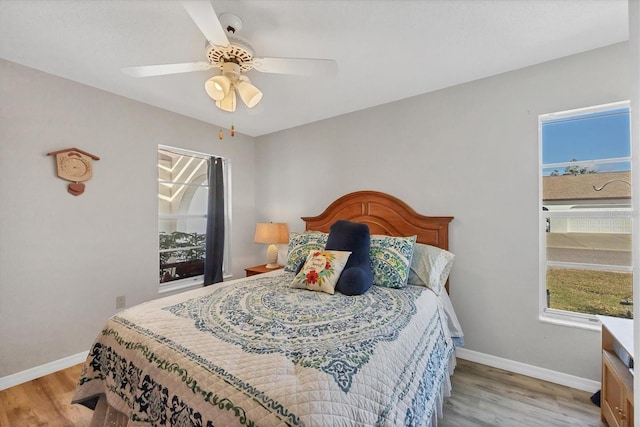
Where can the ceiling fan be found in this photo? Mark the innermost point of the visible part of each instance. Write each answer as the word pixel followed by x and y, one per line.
pixel 234 57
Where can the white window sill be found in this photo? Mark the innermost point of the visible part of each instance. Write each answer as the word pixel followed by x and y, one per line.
pixel 573 320
pixel 180 285
pixel 185 284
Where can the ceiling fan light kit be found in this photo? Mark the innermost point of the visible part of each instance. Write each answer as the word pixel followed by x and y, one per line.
pixel 217 86
pixel 222 88
pixel 250 94
pixel 228 103
pixel 233 56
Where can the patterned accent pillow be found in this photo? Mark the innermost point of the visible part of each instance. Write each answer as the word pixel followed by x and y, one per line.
pixel 300 244
pixel 321 271
pixel 390 259
pixel 430 267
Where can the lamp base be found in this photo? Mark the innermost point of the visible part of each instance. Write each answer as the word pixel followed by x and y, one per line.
pixel 272 256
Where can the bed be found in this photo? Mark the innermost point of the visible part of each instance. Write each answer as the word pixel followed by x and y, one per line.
pixel 256 352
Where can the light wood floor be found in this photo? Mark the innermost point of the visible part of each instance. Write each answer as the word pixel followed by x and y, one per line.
pixel 482 396
pixel 45 401
pixel 485 396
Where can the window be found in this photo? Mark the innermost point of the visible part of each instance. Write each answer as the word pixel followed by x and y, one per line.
pixel 182 217
pixel 585 214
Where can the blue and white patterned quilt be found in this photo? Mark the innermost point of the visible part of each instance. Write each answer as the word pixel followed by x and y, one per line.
pixel 256 352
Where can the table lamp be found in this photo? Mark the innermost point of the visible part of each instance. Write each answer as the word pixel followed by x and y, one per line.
pixel 271 233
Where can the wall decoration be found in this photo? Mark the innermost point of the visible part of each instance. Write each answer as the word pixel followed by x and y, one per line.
pixel 74 165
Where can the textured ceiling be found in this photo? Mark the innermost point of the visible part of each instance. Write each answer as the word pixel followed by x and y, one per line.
pixel 385 50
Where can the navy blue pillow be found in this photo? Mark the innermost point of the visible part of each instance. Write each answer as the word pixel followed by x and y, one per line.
pixel 357 277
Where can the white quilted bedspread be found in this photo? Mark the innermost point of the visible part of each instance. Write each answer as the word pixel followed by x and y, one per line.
pixel 256 352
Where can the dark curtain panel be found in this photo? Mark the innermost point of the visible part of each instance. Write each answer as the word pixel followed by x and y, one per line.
pixel 214 249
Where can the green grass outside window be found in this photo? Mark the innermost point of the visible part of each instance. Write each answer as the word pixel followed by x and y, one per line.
pixel 589 291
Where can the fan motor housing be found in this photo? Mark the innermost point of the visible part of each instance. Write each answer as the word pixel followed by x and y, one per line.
pixel 237 51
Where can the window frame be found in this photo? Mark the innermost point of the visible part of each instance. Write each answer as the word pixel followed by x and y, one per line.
pixel 194 281
pixel 547 314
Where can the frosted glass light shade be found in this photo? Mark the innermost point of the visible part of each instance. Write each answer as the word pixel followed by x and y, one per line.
pixel 250 94
pixel 270 233
pixel 228 103
pixel 217 87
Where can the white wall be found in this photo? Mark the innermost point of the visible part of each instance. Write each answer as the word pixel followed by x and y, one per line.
pixel 64 259
pixel 470 151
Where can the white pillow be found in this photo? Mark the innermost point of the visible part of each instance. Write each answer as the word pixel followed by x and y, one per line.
pixel 452 318
pixel 430 267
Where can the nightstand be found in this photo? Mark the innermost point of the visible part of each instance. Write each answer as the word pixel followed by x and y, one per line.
pixel 259 269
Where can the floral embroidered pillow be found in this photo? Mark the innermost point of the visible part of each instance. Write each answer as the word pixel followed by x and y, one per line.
pixel 300 244
pixel 390 259
pixel 321 271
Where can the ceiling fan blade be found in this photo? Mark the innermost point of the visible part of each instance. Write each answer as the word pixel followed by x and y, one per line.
pixel 160 70
pixel 299 66
pixel 205 17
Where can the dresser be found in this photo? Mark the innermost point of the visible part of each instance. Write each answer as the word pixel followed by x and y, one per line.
pixel 616 398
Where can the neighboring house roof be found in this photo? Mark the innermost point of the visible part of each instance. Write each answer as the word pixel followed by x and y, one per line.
pixel 581 187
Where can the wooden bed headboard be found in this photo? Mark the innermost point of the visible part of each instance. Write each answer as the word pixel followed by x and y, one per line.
pixel 384 214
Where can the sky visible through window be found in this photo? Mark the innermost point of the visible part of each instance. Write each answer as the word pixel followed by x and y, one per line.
pixel 585 137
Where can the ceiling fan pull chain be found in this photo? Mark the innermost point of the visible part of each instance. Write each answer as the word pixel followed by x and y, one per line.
pixel 232 132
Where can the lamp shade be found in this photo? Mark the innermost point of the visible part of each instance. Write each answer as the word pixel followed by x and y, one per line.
pixel 271 232
pixel 250 94
pixel 217 87
pixel 228 103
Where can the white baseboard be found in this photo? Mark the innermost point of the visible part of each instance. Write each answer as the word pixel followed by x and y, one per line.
pixel 42 370
pixel 529 370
